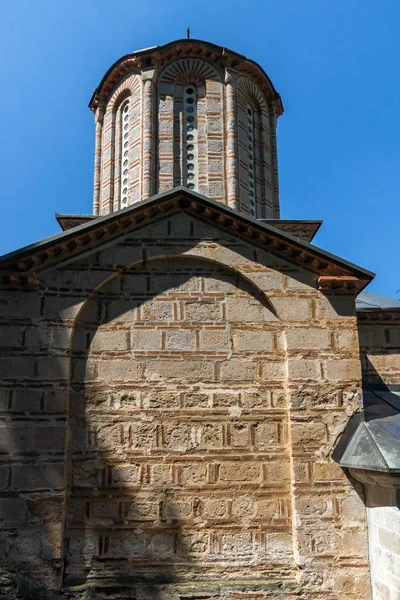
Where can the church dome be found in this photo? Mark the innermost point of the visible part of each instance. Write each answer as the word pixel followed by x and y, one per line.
pixel 192 114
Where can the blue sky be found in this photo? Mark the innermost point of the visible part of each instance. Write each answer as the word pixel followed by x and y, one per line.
pixel 334 62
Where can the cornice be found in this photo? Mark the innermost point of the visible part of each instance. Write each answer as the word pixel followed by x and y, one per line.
pixel 334 274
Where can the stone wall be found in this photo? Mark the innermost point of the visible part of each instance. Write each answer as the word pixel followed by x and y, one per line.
pixel 384 542
pixel 379 335
pixel 202 383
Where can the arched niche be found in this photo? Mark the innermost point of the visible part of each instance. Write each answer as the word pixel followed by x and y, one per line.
pixel 254 150
pixel 177 429
pixel 206 127
pixel 112 154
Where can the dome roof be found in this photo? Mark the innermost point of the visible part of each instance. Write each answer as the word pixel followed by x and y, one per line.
pixel 160 56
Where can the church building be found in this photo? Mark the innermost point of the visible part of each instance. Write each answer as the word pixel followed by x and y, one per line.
pixel 197 403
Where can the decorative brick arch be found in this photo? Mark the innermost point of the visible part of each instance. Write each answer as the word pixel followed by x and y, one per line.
pixel 130 88
pixel 250 95
pixel 189 71
pixel 210 156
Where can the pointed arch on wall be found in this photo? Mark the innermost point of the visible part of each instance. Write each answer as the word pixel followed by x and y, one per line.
pixel 112 155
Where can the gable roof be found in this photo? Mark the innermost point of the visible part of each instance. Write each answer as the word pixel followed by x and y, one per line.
pixel 22 266
pixel 369 302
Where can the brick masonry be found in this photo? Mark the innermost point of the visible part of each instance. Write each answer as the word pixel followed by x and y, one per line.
pixel 169 405
pixel 157 138
pixel 380 347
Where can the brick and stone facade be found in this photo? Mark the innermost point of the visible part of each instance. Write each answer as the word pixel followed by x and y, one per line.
pixel 154 151
pixel 176 375
pixel 171 399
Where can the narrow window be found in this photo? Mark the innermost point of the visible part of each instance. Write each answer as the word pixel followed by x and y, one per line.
pixel 251 161
pixel 124 154
pixel 190 151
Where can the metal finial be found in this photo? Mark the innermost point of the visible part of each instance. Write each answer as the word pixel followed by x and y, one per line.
pixel 188 33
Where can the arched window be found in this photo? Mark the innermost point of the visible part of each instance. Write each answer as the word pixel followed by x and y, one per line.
pixel 251 150
pixel 124 170
pixel 190 148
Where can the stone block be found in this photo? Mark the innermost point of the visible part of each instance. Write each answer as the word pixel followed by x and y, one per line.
pixel 178 509
pixel 203 311
pixel 141 435
pixel 49 438
pixel 304 369
pixel 214 340
pixel 244 507
pixel 267 509
pixel 61 338
pixel 125 474
pixel 224 283
pixel 237 544
pixel 26 399
pixel 237 370
pixel 225 399
pixel 267 280
pixel 277 472
pixel 174 283
pixel 104 509
pixel 134 283
pixel 9 336
pixel 196 400
pixel 193 475
pixel 308 339
pixel 182 369
pixel 306 434
pixel 110 341
pixel 292 309
pixel 266 434
pixel 335 307
pixel 242 309
pixel 146 340
pixel 119 369
pixel 157 310
pixel 260 399
pixel 273 371
pixel 179 437
pixel 64 308
pixel 16 367
pixel 254 341
pixel 28 477
pixel 121 255
pixel 161 474
pixel 215 508
pixel 345 369
pixel 52 368
pixel 327 471
pixel 347 340
pixel 5 400
pixel 141 511
pixel 240 435
pixel 22 305
pixel 161 400
pixel 240 472
pixel 182 340
pixel 12 511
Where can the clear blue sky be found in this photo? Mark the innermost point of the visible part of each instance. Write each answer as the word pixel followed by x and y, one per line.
pixel 334 62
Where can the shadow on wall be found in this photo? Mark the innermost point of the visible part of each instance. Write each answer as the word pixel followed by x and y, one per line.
pixel 128 491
